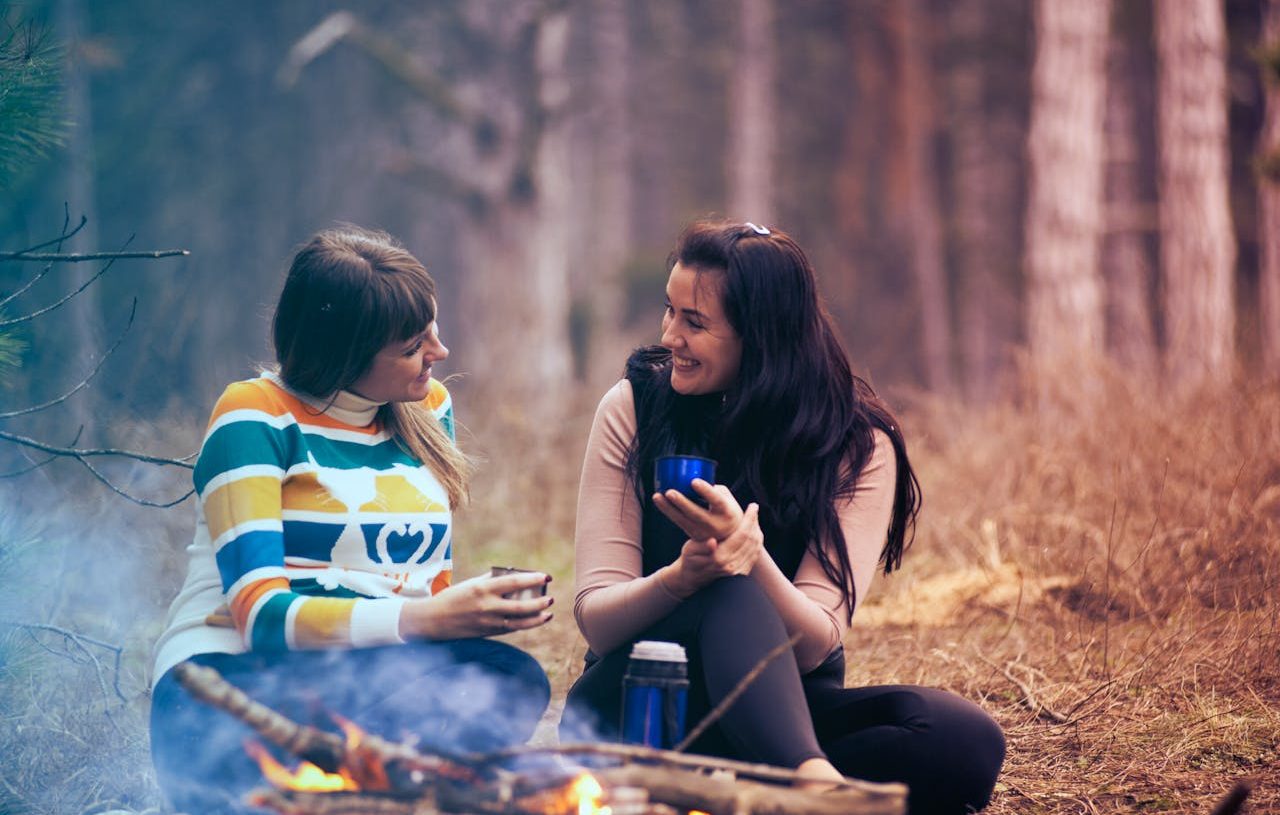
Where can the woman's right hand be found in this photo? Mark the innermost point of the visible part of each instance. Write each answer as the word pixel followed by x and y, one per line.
pixel 704 561
pixel 477 608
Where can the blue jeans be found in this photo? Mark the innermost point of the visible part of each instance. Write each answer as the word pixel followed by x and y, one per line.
pixel 471 695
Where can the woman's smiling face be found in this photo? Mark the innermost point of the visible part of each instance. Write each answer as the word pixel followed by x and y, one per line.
pixel 705 349
pixel 401 371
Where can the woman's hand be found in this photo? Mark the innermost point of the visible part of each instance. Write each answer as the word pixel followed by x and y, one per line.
pixel 718 519
pixel 703 561
pixel 477 608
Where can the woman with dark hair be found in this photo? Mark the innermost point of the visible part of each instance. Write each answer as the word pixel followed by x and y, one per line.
pixel 815 489
pixel 320 577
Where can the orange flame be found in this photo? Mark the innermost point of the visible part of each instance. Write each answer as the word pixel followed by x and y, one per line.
pixel 305 777
pixel 586 790
pixel 364 772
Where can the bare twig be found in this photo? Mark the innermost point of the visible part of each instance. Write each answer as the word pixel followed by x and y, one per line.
pixel 738 689
pixel 1029 699
pixel 62 238
pixel 81 257
pixel 91 452
pixel 81 642
pixel 133 310
pixel 146 502
pixel 38 312
pixel 48 266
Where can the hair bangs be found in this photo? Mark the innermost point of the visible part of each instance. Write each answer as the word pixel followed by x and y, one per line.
pixel 402 305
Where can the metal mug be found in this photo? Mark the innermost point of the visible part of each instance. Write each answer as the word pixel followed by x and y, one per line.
pixel 678 472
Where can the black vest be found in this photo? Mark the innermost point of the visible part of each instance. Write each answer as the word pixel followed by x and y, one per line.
pixel 694 421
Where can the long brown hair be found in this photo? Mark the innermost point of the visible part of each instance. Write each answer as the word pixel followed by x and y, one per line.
pixel 349 293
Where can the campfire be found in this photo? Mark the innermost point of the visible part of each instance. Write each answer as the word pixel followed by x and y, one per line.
pixel 360 772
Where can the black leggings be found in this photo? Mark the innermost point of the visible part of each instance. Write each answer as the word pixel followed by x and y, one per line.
pixel 946 749
pixel 459 695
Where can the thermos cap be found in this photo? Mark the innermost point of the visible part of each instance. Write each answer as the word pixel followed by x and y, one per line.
pixel 658 651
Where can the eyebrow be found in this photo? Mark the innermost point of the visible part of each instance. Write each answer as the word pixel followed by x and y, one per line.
pixel 691 312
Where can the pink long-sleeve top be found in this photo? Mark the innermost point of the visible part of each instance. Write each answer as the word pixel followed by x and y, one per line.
pixel 613 602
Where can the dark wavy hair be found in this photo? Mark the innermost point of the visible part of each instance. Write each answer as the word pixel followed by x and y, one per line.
pixel 795 429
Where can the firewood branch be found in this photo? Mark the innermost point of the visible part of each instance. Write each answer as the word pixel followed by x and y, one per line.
pixel 724 796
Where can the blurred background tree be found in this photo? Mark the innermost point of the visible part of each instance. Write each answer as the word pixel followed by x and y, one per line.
pixel 541 156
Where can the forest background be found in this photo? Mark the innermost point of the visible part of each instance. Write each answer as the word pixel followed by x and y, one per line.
pixel 1047 230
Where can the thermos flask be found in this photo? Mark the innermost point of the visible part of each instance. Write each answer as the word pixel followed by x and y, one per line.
pixel 655 693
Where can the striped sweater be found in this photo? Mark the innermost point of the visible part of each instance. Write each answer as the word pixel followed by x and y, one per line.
pixel 313 527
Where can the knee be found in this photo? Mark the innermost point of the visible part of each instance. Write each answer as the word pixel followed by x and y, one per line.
pixel 738 593
pixel 964 774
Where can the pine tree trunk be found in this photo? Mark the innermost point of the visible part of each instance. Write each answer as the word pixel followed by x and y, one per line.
pixel 1269 195
pixel 83 341
pixel 1126 256
pixel 1063 227
pixel 611 216
pixel 923 234
pixel 1197 247
pixel 753 115
pixel 987 138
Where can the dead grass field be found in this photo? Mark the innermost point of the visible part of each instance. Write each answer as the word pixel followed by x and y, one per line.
pixel 1101 576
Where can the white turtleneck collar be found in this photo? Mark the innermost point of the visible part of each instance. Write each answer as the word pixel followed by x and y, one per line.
pixel 347 407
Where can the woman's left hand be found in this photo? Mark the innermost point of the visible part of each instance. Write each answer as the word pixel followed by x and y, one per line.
pixel 718 519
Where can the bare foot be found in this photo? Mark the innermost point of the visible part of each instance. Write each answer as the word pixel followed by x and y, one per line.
pixel 818 775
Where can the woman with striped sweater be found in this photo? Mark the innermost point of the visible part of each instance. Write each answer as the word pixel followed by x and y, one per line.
pixel 320 576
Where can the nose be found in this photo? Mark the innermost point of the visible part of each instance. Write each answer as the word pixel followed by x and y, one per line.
pixel 670 336
pixel 436 352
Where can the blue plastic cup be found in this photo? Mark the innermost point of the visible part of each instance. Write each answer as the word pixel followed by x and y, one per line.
pixel 678 472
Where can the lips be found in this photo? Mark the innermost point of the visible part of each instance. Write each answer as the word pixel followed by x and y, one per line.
pixel 683 364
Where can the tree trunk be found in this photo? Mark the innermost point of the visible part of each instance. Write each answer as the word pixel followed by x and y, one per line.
pixel 84 342
pixel 611 216
pixel 1064 294
pixel 753 115
pixel 923 234
pixel 1269 194
pixel 987 137
pixel 1126 255
pixel 1197 247
pixel 514 292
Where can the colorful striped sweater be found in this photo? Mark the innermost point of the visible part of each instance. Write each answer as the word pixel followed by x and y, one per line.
pixel 313 527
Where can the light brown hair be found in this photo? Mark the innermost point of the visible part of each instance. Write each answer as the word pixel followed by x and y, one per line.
pixel 349 293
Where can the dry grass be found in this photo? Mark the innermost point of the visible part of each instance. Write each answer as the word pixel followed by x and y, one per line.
pixel 1100 575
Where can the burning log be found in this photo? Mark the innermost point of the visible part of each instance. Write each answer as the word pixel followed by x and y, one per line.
pixel 367 758
pixel 395 779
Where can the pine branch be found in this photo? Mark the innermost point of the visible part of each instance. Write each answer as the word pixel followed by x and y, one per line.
pixel 58 241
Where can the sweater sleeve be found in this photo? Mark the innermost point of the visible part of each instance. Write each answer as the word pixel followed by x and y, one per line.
pixel 251 446
pixel 612 602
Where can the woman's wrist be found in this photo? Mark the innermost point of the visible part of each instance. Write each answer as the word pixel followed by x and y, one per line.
pixel 672 578
pixel 417 620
